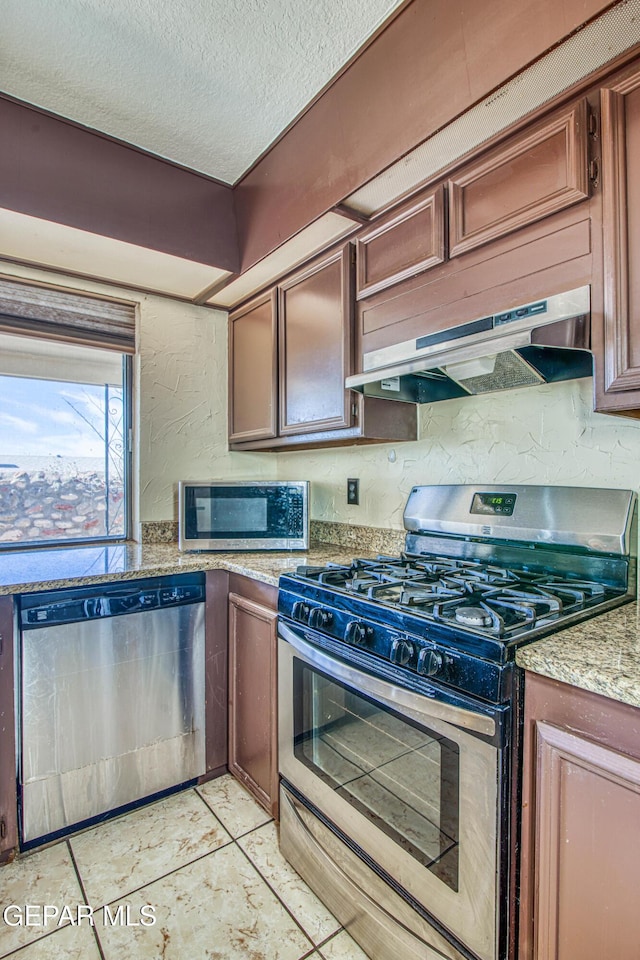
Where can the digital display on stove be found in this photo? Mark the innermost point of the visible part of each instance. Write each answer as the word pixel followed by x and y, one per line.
pixel 493 504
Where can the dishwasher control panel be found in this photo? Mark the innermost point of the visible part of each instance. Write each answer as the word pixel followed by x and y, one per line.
pixel 71 605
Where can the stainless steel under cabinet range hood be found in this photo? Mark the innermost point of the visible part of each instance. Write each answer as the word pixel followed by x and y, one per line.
pixel 539 342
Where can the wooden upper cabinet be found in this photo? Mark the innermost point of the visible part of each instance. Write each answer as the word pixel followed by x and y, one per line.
pixel 315 335
pixel 253 370
pixel 408 242
pixel 537 172
pixel 618 389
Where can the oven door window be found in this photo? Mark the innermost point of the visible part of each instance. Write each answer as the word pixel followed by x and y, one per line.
pixel 403 777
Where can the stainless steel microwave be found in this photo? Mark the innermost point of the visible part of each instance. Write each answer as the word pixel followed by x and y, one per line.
pixel 244 515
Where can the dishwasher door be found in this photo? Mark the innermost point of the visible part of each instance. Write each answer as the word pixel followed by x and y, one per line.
pixel 111 707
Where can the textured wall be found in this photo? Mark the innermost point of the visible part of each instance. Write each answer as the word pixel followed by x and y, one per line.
pixel 545 434
pixel 181 396
pixel 183 404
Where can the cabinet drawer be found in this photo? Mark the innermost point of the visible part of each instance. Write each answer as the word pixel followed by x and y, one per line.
pixel 409 242
pixel 534 174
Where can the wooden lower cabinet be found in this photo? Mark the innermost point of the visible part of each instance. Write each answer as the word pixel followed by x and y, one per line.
pixel 8 797
pixel 253 757
pixel 581 826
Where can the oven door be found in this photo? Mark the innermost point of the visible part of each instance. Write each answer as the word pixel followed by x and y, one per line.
pixel 412 778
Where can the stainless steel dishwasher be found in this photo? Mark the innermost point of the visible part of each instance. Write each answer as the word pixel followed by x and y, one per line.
pixel 111 701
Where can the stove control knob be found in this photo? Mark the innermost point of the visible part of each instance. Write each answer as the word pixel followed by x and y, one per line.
pixel 401 651
pixel 430 663
pixel 357 633
pixel 320 618
pixel 300 611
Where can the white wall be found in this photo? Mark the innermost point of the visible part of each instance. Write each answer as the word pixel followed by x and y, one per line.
pixel 542 434
pixel 181 395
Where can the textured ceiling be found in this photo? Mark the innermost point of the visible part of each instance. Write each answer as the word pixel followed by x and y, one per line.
pixel 205 83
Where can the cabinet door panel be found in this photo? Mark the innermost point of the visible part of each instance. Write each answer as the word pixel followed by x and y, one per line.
pixel 8 797
pixel 408 243
pixel 253 371
pixel 315 322
pixel 531 176
pixel 587 863
pixel 252 698
pixel 621 240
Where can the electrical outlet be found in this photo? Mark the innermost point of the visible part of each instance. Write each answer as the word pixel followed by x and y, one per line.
pixel 353 491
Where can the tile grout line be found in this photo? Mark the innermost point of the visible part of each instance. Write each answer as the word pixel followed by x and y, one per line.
pixel 164 875
pixel 84 894
pixel 279 899
pixel 240 835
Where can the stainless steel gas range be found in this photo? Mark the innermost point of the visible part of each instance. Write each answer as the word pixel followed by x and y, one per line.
pixel 400 707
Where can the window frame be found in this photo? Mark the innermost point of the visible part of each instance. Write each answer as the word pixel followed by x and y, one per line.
pixel 127 359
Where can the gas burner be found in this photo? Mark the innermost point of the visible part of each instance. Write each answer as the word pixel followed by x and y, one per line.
pixel 473 616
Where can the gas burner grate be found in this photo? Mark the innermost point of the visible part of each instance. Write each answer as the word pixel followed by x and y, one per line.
pixel 473 595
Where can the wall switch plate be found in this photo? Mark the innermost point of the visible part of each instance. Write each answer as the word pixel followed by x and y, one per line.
pixel 353 491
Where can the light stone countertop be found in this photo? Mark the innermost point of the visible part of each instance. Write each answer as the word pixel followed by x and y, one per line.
pixel 601 655
pixel 28 571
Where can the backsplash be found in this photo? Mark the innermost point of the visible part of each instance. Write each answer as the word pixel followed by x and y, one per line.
pixel 543 434
pixel 357 537
pixel 158 531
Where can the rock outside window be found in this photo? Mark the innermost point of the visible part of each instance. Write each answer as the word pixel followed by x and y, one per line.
pixel 64 428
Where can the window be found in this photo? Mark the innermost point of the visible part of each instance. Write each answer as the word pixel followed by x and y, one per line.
pixel 64 430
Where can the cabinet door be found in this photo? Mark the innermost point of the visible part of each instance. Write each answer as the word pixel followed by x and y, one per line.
pixel 252 698
pixel 588 849
pixel 253 370
pixel 536 173
pixel 315 339
pixel 402 245
pixel 621 241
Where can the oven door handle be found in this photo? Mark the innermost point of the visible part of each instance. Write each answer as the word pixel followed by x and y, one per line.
pixel 422 706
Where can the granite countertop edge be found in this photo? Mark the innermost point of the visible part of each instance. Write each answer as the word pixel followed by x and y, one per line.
pixel 601 655
pixel 32 571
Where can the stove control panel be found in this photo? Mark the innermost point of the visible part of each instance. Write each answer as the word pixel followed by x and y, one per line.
pixel 416 647
pixel 401 651
pixel 358 633
pixel 430 663
pixel 320 619
pixel 494 504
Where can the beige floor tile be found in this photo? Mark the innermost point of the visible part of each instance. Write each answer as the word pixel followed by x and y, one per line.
pixel 217 908
pixel 68 943
pixel 43 878
pixel 233 805
pixel 342 947
pixel 262 848
pixel 117 857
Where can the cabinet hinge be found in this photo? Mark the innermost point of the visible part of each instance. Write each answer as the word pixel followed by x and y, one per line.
pixel 594 130
pixel 594 171
pixel 3 828
pixel 354 409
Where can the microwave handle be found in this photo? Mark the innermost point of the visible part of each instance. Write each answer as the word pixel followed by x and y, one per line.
pixel 422 706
